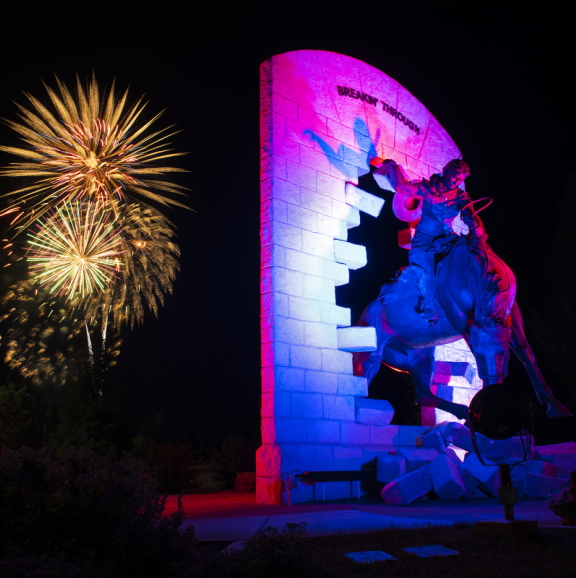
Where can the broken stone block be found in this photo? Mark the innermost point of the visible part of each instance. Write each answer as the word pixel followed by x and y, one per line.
pixel 488 475
pixel 389 468
pixel 459 435
pixel 533 467
pixel 432 440
pixel 563 503
pixel 408 488
pixel 373 411
pixel 469 481
pixel 417 458
pixel 542 486
pixel 446 480
pixel 514 447
pixel 563 456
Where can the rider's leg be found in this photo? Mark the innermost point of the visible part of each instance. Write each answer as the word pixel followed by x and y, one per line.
pixel 425 261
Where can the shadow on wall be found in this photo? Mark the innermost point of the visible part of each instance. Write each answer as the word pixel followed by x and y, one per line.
pixel 349 162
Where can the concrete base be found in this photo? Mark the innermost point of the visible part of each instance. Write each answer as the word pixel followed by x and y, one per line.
pixel 514 529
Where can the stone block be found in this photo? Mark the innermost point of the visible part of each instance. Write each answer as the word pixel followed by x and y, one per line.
pixel 282 281
pixel 300 217
pixel 510 448
pixel 316 244
pixel 563 456
pixel 322 431
pixel 357 339
pixel 432 440
pixel 377 412
pixel 459 435
pixel 316 202
pixel 320 334
pixel 446 480
pixel 389 468
pixel 275 403
pixel 321 382
pixel 273 303
pixel 346 213
pixel 407 434
pixel 352 385
pixel 314 457
pixel 408 488
pixel 363 201
pixel 282 379
pixel 533 467
pixel 470 482
pixel 297 174
pixel 417 458
pixel 319 288
pixel 306 405
pixel 288 330
pixel 331 313
pixel 283 430
pixel 340 407
pixel 275 353
pixel 332 227
pixel 303 309
pixel 338 272
pixel 354 433
pixel 299 261
pixel 305 357
pixel 488 475
pixel 537 486
pixel 353 256
pixel 384 436
pixel 336 361
pixel 269 460
pixel 331 186
pixel 277 188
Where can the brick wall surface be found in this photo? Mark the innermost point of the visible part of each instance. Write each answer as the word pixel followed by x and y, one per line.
pixel 316 140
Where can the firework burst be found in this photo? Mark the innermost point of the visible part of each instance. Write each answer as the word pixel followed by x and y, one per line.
pixel 96 151
pixel 75 251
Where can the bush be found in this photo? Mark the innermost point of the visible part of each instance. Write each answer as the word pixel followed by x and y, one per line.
pixel 284 554
pixel 237 454
pixel 175 466
pixel 89 507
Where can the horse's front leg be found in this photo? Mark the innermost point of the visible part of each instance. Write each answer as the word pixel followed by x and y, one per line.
pixel 524 352
pixel 420 364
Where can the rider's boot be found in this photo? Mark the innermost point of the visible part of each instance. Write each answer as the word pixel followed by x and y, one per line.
pixel 429 309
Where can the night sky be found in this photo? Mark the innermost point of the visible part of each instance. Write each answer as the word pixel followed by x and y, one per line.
pixel 498 82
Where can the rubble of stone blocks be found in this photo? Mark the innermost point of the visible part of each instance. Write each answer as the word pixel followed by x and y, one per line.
pixel 444 462
pixel 563 503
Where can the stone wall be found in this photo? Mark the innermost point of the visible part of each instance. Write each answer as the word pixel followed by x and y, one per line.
pixel 324 118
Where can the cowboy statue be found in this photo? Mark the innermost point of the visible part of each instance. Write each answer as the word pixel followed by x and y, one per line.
pixel 447 213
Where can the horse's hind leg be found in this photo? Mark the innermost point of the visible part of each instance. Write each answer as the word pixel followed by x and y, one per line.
pixel 367 364
pixel 524 352
pixel 421 367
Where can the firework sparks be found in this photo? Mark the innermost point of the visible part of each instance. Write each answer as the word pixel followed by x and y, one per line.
pixel 76 250
pixel 96 152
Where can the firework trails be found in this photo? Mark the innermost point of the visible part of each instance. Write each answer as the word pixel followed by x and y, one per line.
pixel 95 152
pixel 75 250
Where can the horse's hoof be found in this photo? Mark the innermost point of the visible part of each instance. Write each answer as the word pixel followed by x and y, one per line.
pixel 557 410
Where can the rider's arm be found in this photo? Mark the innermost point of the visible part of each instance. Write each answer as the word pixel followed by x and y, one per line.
pixel 395 174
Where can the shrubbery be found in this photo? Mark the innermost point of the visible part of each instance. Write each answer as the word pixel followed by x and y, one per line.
pixel 99 512
pixel 284 554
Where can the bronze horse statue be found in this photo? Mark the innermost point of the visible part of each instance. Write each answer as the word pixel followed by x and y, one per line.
pixel 406 340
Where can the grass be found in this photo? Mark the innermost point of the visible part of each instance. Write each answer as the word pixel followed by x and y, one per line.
pixel 552 553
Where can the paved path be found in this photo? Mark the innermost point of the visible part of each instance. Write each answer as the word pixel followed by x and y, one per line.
pixel 230 516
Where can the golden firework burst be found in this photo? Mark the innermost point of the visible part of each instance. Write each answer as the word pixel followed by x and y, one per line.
pixel 76 250
pixel 96 152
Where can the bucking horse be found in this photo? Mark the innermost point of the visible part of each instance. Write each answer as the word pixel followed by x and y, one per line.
pixel 406 340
